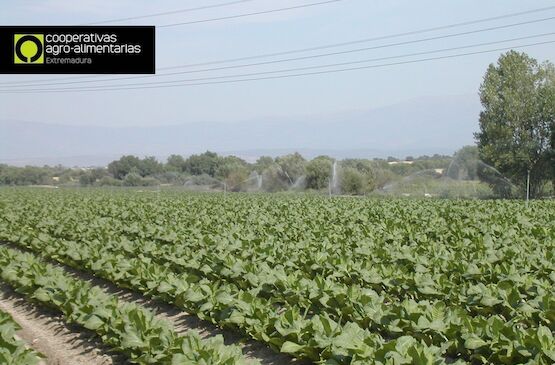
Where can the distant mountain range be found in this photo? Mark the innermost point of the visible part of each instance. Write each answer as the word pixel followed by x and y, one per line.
pixel 416 127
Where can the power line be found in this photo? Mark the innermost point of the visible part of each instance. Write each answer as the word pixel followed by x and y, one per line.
pixel 138 87
pixel 321 66
pixel 340 63
pixel 211 7
pixel 212 19
pixel 248 14
pixel 300 50
pixel 364 40
pixel 172 12
pixel 289 59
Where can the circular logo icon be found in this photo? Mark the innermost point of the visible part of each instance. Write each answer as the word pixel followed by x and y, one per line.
pixel 29 48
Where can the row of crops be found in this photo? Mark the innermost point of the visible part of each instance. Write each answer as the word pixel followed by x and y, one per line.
pixel 340 281
pixel 12 350
pixel 126 327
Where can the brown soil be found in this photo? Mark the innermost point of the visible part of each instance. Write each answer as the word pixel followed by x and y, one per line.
pixel 45 331
pixel 182 321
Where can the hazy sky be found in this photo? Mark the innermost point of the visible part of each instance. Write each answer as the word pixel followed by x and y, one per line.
pixel 341 21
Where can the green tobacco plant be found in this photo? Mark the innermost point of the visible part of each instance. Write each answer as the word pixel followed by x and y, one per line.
pixel 341 281
pixel 126 327
pixel 12 350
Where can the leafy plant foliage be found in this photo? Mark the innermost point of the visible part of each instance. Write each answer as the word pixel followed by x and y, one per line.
pixel 12 350
pixel 126 327
pixel 336 281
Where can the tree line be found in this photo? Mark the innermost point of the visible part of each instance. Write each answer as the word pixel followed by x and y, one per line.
pixel 292 171
pixel 514 155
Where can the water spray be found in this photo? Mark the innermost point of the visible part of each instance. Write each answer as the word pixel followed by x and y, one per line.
pixel 528 188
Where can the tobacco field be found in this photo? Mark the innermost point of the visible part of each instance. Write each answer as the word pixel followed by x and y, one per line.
pixel 324 280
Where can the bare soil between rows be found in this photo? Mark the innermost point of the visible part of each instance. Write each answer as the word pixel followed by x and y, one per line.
pixel 45 331
pixel 181 321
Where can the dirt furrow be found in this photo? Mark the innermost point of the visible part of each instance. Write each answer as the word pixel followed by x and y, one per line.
pixel 182 321
pixel 46 332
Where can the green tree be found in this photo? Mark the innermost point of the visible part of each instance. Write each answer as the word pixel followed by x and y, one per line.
pixel 235 172
pixel 352 181
pixel 132 164
pixel 87 179
pixel 125 165
pixel 231 164
pixel 547 96
pixel 132 179
pixel 368 171
pixel 464 165
pixel 292 167
pixel 273 179
pixel 109 181
pixel 175 163
pixel 318 172
pixel 236 179
pixel 149 166
pixel 263 163
pixel 205 163
pixel 516 122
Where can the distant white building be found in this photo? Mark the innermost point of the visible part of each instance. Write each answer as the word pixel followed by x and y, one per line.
pixel 400 162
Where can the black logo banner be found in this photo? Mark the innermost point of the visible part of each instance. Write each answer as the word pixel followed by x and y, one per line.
pixel 77 50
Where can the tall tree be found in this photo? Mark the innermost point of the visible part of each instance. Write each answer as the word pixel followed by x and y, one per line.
pixel 125 165
pixel 318 172
pixel 291 166
pixel 175 163
pixel 516 122
pixel 547 93
pixel 205 163
pixel 132 164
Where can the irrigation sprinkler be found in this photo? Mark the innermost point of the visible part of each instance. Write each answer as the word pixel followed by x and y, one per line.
pixel 285 173
pixel 528 188
pixel 226 186
pixel 333 181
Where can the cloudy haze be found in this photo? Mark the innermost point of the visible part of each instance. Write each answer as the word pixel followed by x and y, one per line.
pixel 311 98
